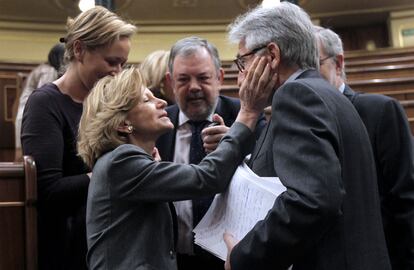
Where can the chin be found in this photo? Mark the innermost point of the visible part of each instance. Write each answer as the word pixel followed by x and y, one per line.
pixel 164 129
pixel 199 114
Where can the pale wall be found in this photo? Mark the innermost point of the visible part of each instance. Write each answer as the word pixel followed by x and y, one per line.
pixel 20 42
pixel 399 21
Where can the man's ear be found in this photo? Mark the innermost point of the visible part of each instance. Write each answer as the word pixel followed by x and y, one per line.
pixel 339 63
pixel 78 50
pixel 169 80
pixel 221 75
pixel 274 52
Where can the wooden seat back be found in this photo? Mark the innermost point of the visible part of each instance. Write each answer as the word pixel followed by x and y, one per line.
pixel 18 215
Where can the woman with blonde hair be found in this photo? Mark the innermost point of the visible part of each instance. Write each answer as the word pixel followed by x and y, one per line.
pixel 153 70
pixel 129 223
pixel 97 44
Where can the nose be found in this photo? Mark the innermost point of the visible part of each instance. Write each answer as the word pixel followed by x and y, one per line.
pixel 194 85
pixel 161 103
pixel 116 69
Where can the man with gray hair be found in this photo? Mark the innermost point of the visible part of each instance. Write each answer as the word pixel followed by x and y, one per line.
pixel 391 142
pixel 329 216
pixel 195 75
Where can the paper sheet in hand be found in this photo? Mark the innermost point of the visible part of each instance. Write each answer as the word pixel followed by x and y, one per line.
pixel 247 201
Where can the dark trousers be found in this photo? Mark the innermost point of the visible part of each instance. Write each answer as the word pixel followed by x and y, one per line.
pixel 201 261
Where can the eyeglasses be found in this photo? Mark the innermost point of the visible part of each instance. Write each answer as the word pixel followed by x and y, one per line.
pixel 239 60
pixel 324 59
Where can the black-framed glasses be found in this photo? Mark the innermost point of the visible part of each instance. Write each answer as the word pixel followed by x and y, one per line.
pixel 324 59
pixel 239 60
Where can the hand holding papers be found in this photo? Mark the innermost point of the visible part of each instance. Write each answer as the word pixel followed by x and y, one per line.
pixel 247 201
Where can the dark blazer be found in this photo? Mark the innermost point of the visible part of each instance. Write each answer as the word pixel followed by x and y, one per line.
pixel 329 217
pixel 227 108
pixel 391 141
pixel 129 223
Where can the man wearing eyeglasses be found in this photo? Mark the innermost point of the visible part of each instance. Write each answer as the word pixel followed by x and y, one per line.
pixel 391 141
pixel 329 216
pixel 196 76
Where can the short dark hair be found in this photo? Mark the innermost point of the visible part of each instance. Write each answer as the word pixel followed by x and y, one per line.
pixel 55 56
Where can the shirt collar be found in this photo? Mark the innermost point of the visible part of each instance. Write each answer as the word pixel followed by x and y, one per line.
pixel 341 88
pixel 294 76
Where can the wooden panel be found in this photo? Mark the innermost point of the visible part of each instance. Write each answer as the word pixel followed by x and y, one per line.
pixel 411 122
pixel 380 61
pixel 399 95
pixel 230 79
pixel 230 90
pixel 12 77
pixel 12 245
pixel 381 85
pixel 18 221
pixel 408 106
pixel 378 72
pixel 8 95
pixel 382 53
pixel 358 37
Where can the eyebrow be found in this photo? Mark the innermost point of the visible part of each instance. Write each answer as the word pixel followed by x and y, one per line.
pixel 116 58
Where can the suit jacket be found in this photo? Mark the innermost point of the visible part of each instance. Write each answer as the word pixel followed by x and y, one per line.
pixel 391 141
pixel 227 108
pixel 129 223
pixel 329 216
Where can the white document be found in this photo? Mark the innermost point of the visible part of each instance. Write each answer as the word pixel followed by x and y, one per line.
pixel 247 201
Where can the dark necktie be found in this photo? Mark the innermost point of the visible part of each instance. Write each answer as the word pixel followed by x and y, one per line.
pixel 197 153
pixel 196 146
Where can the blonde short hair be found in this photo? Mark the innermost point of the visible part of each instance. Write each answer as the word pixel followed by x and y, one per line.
pixel 153 68
pixel 96 27
pixel 104 110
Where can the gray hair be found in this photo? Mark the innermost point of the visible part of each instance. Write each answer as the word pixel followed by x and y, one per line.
pixel 287 25
pixel 331 44
pixel 188 46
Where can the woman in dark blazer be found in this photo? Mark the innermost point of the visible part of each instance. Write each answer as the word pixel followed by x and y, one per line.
pixel 129 222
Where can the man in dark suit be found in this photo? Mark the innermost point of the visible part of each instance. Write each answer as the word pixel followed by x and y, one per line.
pixel 196 75
pixel 391 141
pixel 329 216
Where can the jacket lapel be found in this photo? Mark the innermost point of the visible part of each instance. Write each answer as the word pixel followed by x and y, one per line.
pixel 166 142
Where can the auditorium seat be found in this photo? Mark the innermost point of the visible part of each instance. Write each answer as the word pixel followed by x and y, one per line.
pixel 18 215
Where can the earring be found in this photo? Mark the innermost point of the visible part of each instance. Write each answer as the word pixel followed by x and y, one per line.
pixel 130 129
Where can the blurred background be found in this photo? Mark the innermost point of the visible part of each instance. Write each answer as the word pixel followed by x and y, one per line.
pixel 29 28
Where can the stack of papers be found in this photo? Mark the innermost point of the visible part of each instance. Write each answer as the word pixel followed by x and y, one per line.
pixel 247 201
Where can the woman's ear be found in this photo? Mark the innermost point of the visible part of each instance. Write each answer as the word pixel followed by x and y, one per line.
pixel 125 127
pixel 274 52
pixel 78 50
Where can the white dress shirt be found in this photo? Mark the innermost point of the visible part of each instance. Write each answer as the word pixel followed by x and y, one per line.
pixel 184 209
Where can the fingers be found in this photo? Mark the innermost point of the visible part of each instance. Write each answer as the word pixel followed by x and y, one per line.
pixel 155 154
pixel 212 136
pixel 261 72
pixel 251 78
pixel 258 85
pixel 230 243
pixel 208 148
pixel 218 119
pixel 209 131
pixel 229 240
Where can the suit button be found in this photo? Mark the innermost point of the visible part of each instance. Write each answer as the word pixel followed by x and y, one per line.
pixel 172 254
